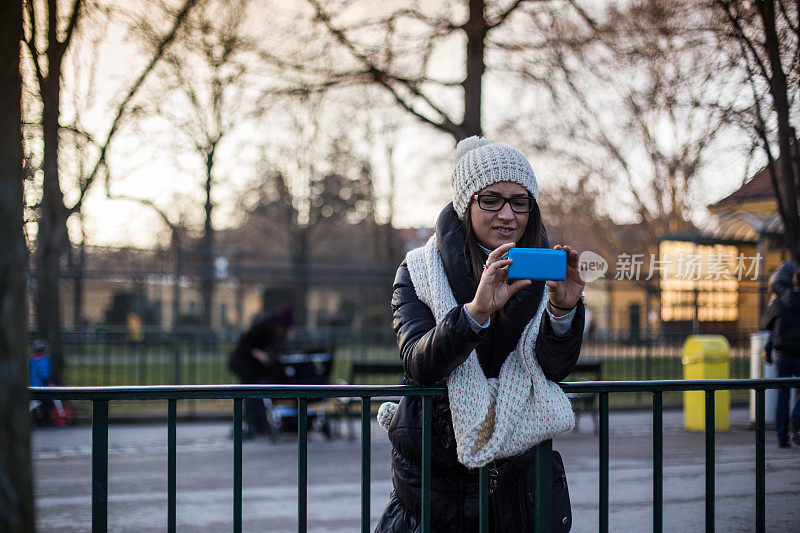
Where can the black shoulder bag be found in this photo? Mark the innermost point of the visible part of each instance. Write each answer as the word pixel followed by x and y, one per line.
pixel 512 494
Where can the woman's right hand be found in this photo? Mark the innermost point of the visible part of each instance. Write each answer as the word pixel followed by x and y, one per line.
pixel 493 290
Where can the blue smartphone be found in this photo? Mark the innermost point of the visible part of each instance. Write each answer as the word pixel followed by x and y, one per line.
pixel 537 264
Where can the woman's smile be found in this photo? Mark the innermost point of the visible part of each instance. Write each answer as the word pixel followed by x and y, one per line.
pixel 505 231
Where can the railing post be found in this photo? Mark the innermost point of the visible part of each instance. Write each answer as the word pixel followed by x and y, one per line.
pixel 710 460
pixel 366 457
pixel 543 493
pixel 302 465
pixel 171 465
pixel 99 466
pixel 603 514
pixel 426 463
pixel 760 467
pixel 237 465
pixel 658 463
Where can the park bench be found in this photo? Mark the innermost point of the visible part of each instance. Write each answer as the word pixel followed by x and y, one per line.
pixel 363 373
pixel 584 402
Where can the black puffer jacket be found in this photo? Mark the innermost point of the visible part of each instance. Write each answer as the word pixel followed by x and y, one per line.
pixel 782 318
pixel 430 352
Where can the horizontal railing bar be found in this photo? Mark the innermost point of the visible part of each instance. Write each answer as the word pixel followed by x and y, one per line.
pixel 678 385
pixel 187 392
pixel 181 392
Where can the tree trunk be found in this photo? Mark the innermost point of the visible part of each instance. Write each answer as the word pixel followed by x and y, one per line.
pixel 207 252
pixel 475 29
pixel 78 266
pixel 786 192
pixel 300 260
pixel 16 488
pixel 51 236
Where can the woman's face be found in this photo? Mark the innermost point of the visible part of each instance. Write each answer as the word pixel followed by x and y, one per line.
pixel 493 228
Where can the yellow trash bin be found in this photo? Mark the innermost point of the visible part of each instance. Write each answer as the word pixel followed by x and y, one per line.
pixel 706 357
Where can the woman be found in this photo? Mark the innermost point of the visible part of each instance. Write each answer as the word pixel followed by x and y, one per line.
pixel 499 348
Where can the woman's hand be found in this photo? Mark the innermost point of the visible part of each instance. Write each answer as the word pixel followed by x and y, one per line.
pixel 566 293
pixel 493 291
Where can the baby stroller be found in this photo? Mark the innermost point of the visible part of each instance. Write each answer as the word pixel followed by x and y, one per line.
pixel 312 367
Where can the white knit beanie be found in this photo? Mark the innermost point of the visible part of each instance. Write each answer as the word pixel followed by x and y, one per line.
pixel 477 163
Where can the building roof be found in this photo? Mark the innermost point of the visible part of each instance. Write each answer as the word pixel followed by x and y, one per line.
pixel 756 188
pixel 759 187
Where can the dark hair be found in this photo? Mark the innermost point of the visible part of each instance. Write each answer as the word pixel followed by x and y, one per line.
pixel 531 238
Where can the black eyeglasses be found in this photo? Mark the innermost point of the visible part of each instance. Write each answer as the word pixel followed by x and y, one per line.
pixel 491 202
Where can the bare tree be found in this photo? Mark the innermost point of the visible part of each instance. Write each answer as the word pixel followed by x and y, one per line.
pixel 315 181
pixel 203 84
pixel 50 28
pixel 626 109
pixel 406 52
pixel 16 484
pixel 763 41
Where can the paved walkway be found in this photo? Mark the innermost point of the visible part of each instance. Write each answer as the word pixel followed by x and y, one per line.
pixel 137 478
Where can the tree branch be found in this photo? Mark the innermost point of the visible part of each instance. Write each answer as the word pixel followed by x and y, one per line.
pixel 73 22
pixel 52 28
pixel 81 133
pixel 794 27
pixel 504 15
pixel 742 37
pixel 31 44
pixel 381 76
pixel 147 203
pixel 123 107
pixel 761 130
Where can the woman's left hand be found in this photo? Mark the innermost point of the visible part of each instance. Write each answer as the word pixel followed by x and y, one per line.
pixel 566 293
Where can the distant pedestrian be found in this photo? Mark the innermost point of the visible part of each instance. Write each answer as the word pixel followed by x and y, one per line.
pixel 39 365
pixel 39 376
pixel 255 360
pixel 782 319
pixel 780 281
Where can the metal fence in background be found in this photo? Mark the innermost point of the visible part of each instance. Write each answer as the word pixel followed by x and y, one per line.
pixel 191 355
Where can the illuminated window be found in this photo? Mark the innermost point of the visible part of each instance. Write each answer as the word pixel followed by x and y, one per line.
pixel 686 267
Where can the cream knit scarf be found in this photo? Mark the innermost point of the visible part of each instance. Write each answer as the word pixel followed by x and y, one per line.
pixel 495 417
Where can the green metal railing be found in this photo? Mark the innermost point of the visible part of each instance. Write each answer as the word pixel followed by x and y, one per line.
pixel 101 396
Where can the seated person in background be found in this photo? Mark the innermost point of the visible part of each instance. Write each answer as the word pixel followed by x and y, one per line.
pixel 255 360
